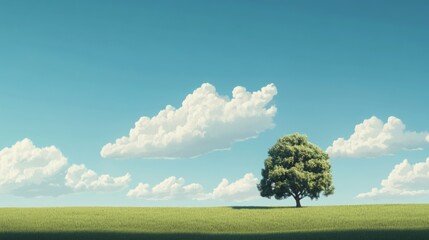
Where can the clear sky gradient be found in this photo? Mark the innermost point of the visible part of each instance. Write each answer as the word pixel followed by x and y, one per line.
pixel 79 74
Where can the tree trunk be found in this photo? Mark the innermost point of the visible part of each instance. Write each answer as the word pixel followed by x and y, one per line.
pixel 298 203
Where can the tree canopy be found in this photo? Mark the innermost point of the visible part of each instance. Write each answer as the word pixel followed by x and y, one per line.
pixel 296 168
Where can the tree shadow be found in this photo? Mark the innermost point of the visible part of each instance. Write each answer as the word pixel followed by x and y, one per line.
pixel 263 207
pixel 324 235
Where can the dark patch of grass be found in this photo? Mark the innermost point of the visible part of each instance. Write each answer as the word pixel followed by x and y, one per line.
pixel 324 235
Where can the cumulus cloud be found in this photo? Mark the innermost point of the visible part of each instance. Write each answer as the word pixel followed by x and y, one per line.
pixel 24 164
pixel 29 171
pixel 80 178
pixel 170 188
pixel 53 187
pixel 205 122
pixel 243 189
pixel 374 138
pixel 404 180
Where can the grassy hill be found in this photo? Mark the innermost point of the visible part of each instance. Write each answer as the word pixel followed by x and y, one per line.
pixel 330 222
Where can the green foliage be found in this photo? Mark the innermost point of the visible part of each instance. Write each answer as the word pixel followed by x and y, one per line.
pixel 296 168
pixel 333 222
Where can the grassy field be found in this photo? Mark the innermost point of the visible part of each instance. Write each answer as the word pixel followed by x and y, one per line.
pixel 330 222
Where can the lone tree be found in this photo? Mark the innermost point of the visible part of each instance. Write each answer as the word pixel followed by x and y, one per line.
pixel 296 168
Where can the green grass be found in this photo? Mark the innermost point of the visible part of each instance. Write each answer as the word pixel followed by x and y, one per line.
pixel 330 222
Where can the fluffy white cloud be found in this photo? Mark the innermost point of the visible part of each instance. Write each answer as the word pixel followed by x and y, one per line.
pixel 170 188
pixel 243 189
pixel 29 171
pixel 404 180
pixel 374 138
pixel 80 178
pixel 25 164
pixel 205 122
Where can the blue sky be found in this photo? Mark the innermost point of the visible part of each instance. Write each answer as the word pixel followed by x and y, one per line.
pixel 79 74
